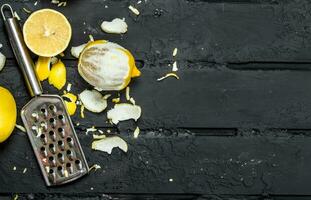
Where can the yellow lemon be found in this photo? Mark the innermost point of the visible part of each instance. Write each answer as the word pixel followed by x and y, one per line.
pixel 43 67
pixel 57 76
pixel 70 103
pixel 107 65
pixel 7 114
pixel 47 32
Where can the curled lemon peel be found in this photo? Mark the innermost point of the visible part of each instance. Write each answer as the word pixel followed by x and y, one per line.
pixel 70 105
pixel 43 67
pixel 57 76
pixel 169 75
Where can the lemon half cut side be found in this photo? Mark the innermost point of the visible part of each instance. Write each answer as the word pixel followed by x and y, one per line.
pixel 47 32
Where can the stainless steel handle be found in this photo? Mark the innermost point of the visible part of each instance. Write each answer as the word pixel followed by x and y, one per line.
pixel 21 52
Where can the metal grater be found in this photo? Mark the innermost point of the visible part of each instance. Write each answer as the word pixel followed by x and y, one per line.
pixel 49 127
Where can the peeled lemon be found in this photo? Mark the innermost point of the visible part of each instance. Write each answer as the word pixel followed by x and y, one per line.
pixel 107 65
pixel 7 114
pixel 47 32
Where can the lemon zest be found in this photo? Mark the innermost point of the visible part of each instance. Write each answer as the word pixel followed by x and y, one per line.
pixel 168 75
pixel 82 111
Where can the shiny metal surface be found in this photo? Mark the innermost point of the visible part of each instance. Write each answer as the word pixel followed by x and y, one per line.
pixel 46 119
pixel 56 144
pixel 21 52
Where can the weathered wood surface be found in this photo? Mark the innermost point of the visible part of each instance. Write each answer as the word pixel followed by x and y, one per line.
pixel 206 96
pixel 195 164
pixel 228 31
pixel 235 126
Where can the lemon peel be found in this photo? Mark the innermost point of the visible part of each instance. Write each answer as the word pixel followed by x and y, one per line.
pixel 93 100
pixel 68 89
pixel 76 51
pixel 117 26
pixel 97 137
pixel 136 132
pixel 109 143
pixel 116 100
pixel 70 103
pixel 134 10
pixel 175 68
pixel 168 75
pixel 132 100
pixel 43 67
pixel 175 51
pixel 127 93
pixel 95 167
pixel 57 76
pixel 82 111
pixel 124 111
pixel 20 127
pixel 2 61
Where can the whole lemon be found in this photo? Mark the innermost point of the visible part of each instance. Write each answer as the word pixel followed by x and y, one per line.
pixel 7 114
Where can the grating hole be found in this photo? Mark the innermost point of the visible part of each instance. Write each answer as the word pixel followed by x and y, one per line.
pixel 52 120
pixel 69 140
pixel 59 168
pixel 43 110
pixel 60 142
pixel 51 171
pixel 52 107
pixel 51 146
pixel 68 152
pixel 59 155
pixel 51 158
pixel 60 130
pixel 42 136
pixel 51 133
pixel 42 148
pixel 68 165
pixel 77 162
pixel 60 117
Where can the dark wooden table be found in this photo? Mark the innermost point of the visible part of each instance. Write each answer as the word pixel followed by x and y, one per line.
pixel 235 126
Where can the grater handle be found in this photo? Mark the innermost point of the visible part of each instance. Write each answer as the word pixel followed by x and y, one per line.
pixel 21 52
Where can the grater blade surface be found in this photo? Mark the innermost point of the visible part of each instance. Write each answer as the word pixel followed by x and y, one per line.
pixel 54 140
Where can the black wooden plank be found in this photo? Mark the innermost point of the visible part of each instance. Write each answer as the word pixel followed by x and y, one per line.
pixel 95 196
pixel 196 165
pixel 216 31
pixel 218 98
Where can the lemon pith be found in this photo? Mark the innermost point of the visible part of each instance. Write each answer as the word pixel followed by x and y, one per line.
pixel 107 66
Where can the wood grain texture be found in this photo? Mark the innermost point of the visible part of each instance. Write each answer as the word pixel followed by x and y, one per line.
pixel 206 96
pixel 235 126
pixel 203 165
pixel 215 31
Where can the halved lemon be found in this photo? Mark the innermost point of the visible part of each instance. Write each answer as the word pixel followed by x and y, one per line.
pixel 107 65
pixel 47 32
pixel 7 114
